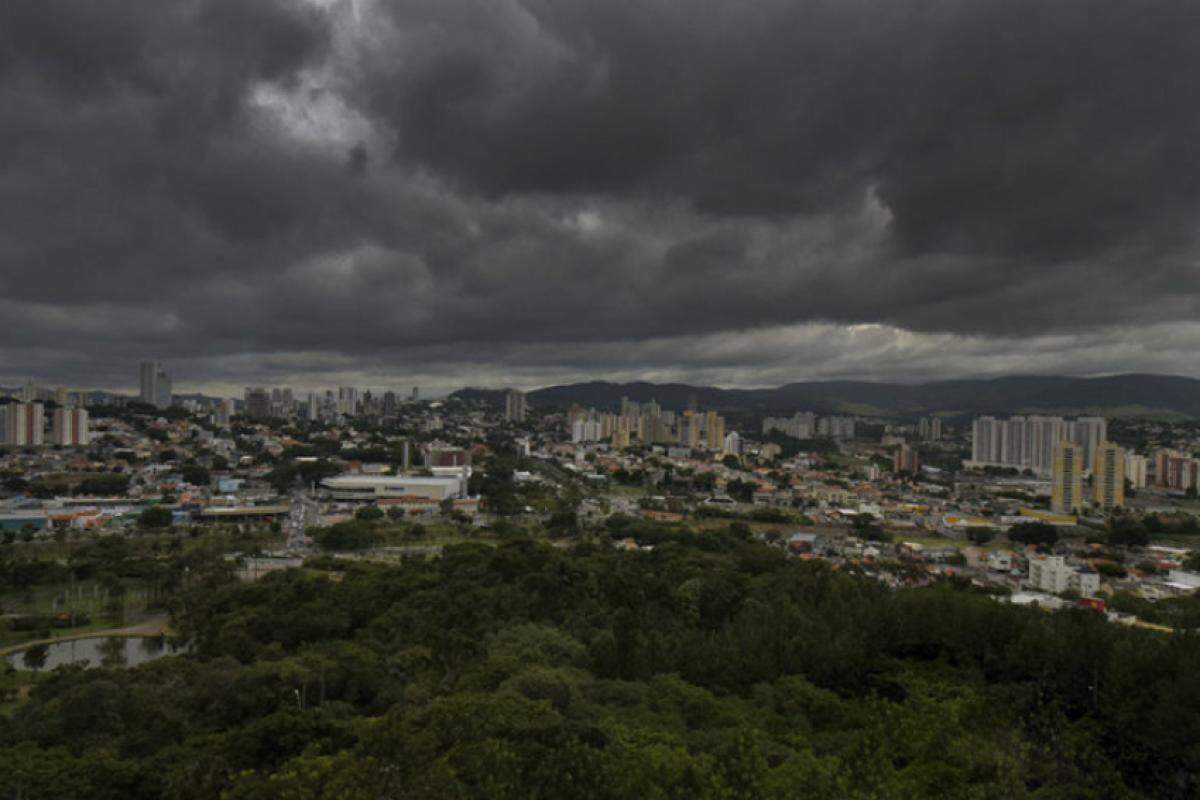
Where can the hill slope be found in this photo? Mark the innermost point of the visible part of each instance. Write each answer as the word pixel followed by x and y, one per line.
pixel 1149 394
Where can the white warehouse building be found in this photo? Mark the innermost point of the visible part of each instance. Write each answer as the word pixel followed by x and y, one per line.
pixel 381 487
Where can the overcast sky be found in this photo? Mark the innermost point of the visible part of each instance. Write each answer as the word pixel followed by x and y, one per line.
pixel 525 192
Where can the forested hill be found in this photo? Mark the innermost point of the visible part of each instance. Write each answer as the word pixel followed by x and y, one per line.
pixel 1120 394
pixel 711 667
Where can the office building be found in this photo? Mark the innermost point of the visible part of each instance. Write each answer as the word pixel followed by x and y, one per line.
pixel 23 424
pixel 1108 476
pixel 514 406
pixel 1067 478
pixel 69 427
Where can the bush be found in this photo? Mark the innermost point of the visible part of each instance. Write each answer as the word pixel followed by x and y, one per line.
pixel 155 517
pixel 369 513
pixel 1036 533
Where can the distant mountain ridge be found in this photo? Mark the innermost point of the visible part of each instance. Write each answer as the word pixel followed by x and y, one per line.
pixel 1134 394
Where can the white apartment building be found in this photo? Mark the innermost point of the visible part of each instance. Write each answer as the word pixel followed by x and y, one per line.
pixel 1028 442
pixel 69 427
pixel 22 424
pixel 1052 574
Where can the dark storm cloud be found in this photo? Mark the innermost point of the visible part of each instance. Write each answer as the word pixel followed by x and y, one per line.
pixel 430 180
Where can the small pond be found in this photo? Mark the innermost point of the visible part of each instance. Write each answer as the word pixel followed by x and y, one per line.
pixel 97 651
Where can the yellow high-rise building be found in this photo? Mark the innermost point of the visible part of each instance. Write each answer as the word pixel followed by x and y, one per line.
pixel 1067 493
pixel 714 430
pixel 689 430
pixel 1108 476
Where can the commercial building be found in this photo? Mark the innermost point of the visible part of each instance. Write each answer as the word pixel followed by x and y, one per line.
pixel 1067 478
pixel 378 487
pixel 438 455
pixel 1108 476
pixel 69 427
pixel 23 424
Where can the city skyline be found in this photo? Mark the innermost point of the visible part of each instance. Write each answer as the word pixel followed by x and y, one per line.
pixel 557 192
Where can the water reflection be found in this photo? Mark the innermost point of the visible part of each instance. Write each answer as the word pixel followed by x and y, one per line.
pixel 35 657
pixel 109 651
pixel 112 652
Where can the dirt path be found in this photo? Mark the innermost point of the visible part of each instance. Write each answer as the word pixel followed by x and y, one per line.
pixel 158 625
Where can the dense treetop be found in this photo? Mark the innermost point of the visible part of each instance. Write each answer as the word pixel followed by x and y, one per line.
pixel 705 668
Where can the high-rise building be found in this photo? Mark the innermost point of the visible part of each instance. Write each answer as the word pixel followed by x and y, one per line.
pixel 1176 470
pixel 23 424
pixel 223 412
pixel 906 460
pixel 69 427
pixel 282 403
pixel 416 393
pixel 514 405
pixel 257 402
pixel 985 444
pixel 1067 478
pixel 155 385
pixel 689 430
pixel 1028 442
pixel 347 402
pixel 1136 470
pixel 1108 476
pixel 799 426
pixel 149 382
pixel 714 430
pixel 1088 433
